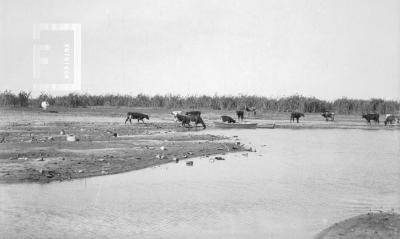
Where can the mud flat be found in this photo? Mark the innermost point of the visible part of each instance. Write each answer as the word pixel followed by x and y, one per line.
pixel 33 150
pixel 368 226
pixel 34 146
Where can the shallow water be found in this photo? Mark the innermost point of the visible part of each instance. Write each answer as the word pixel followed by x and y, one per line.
pixel 296 184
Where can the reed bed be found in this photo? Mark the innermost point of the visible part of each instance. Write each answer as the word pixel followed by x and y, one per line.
pixel 282 104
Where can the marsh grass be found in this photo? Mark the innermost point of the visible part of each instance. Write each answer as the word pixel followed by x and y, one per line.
pixel 283 104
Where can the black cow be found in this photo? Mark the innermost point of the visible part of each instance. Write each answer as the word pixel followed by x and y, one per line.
pixel 197 120
pixel 251 109
pixel 227 119
pixel 194 113
pixel 371 116
pixel 296 115
pixel 134 115
pixel 391 119
pixel 328 116
pixel 240 114
pixel 184 119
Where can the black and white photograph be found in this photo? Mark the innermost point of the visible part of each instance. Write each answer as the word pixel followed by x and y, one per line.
pixel 209 119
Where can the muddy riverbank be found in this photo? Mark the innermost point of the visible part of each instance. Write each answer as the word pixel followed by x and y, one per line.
pixel 34 146
pixel 371 225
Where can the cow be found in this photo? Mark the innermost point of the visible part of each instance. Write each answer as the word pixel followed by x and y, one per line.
pixel 240 114
pixel 134 115
pixel 44 105
pixel 227 119
pixel 184 119
pixel 175 113
pixel 197 120
pixel 391 119
pixel 251 109
pixel 328 116
pixel 371 116
pixel 196 113
pixel 296 115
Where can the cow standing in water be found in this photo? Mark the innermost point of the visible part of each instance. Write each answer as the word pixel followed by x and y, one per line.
pixel 240 115
pixel 328 116
pixel 391 119
pixel 134 115
pixel 296 115
pixel 227 119
pixel 371 116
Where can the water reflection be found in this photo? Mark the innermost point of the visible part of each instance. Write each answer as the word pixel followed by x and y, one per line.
pixel 299 183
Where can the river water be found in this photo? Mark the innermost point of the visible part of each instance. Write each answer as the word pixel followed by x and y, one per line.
pixel 296 184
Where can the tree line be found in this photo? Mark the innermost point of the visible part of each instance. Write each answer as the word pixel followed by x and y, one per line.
pixel 282 104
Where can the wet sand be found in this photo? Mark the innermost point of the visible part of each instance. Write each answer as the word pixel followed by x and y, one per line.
pixel 368 226
pixel 33 150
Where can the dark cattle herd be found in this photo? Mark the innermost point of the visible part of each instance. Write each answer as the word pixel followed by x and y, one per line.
pixel 195 117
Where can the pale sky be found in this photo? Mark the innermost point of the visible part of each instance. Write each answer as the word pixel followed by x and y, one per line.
pixel 322 48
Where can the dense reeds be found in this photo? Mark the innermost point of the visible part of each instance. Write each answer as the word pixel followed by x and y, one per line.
pixel 283 104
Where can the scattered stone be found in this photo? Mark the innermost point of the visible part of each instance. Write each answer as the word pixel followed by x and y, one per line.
pixel 163 148
pixel 71 138
pixel 40 159
pixel 104 172
pixel 176 160
pixel 115 135
pixel 50 138
pixel 185 156
pixel 220 148
pixel 190 153
pixel 235 147
pixel 158 156
pixel 80 171
pixel 219 158
pixel 62 132
pixel 101 159
pixel 23 158
pixel 138 158
pixel 189 163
